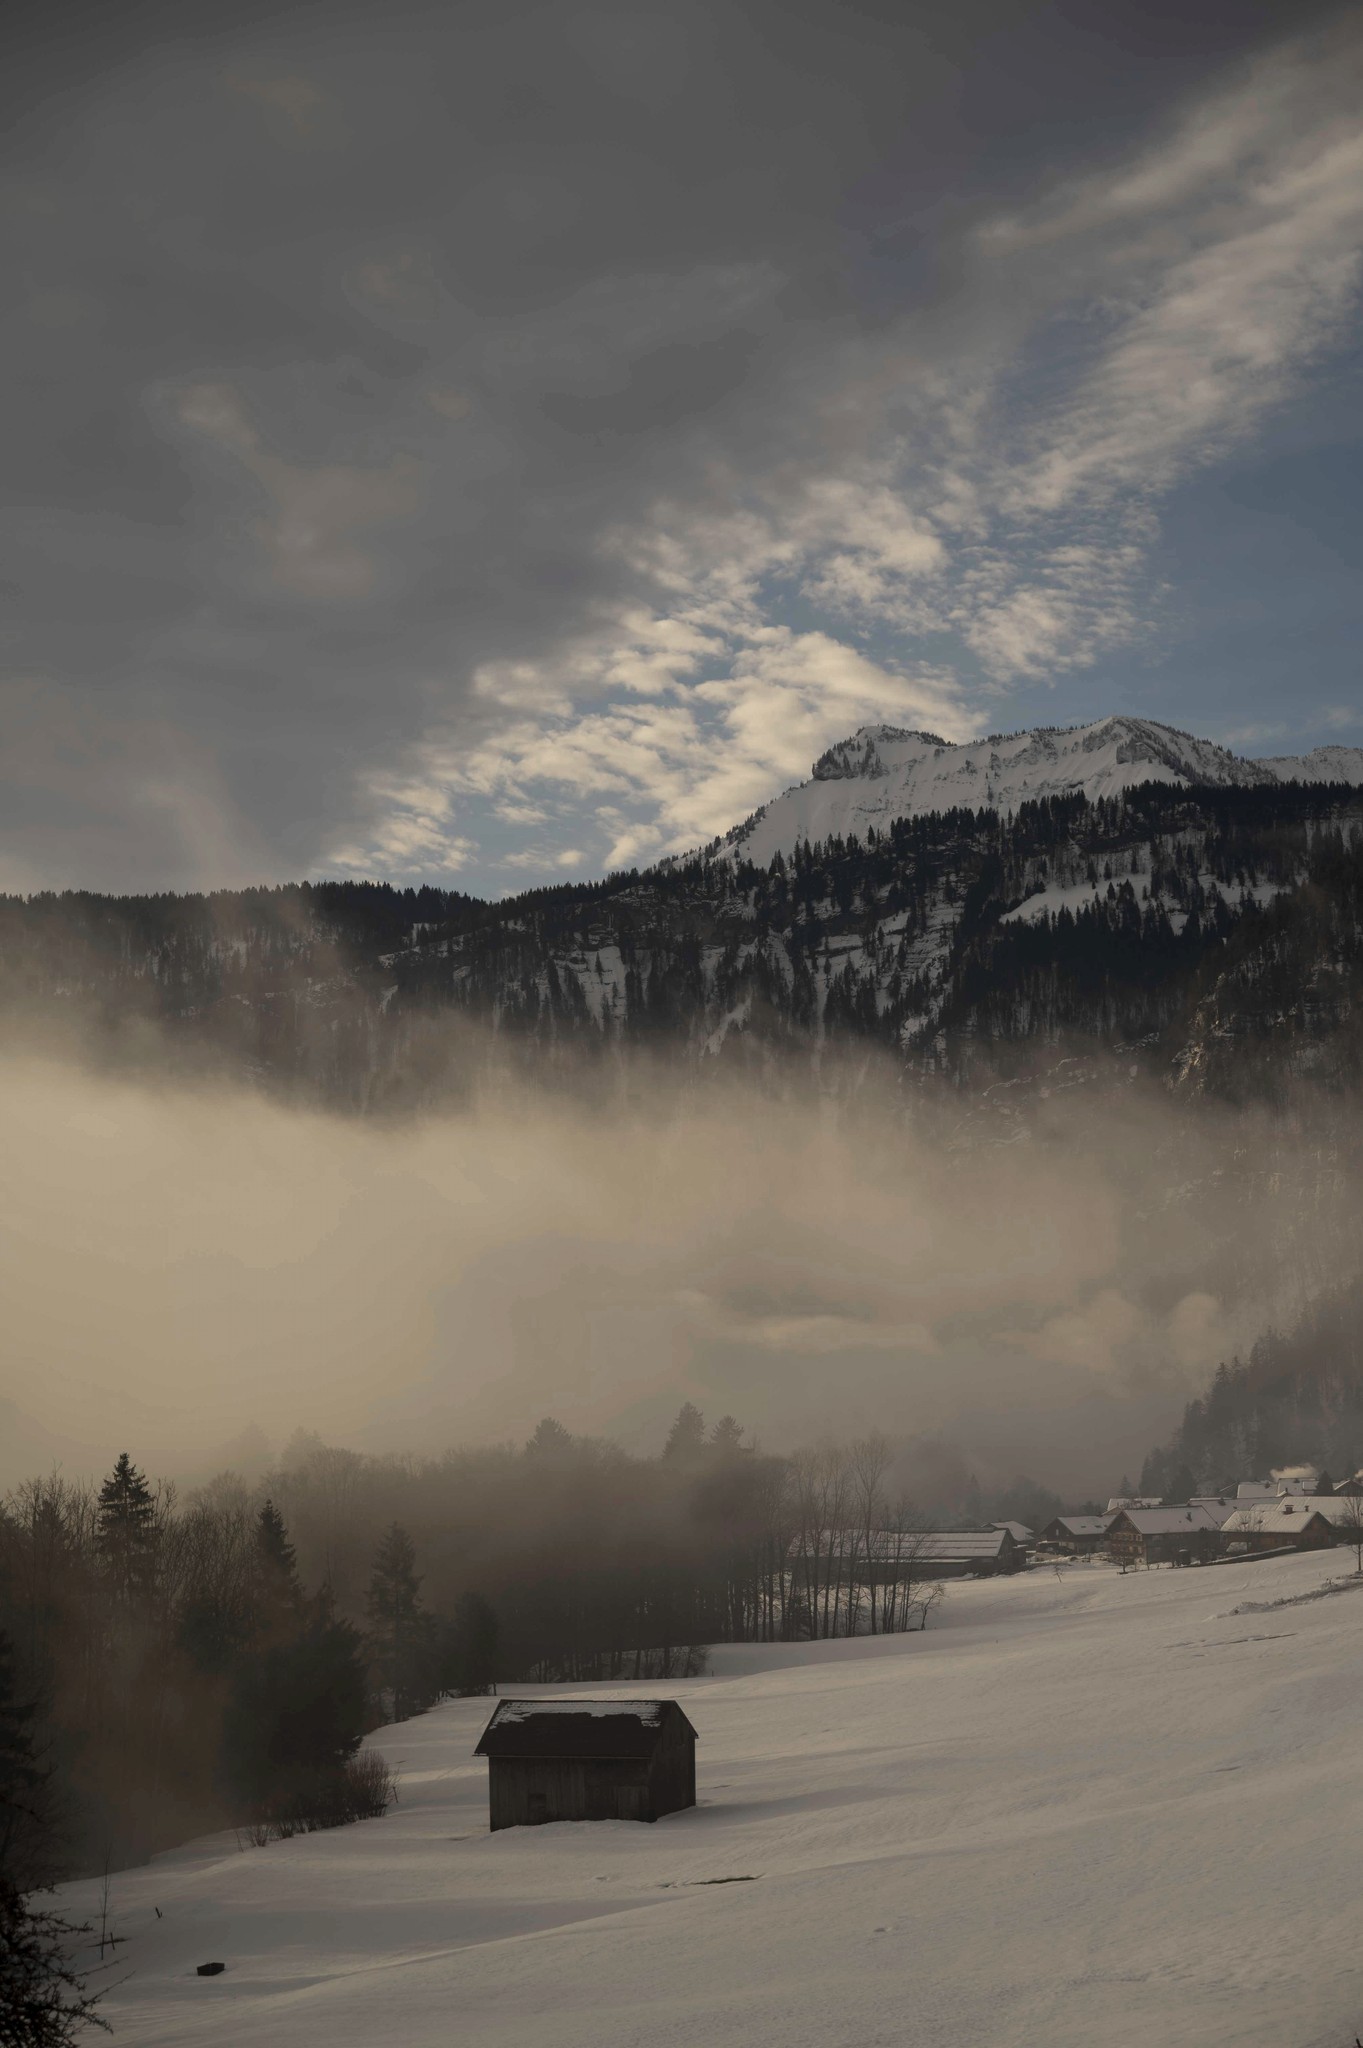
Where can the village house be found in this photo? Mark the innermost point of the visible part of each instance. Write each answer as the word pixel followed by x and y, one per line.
pixel 1076 1535
pixel 578 1759
pixel 1291 1521
pixel 1024 1537
pixel 1161 1535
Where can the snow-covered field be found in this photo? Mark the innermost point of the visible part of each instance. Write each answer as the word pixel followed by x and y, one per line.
pixel 1082 1809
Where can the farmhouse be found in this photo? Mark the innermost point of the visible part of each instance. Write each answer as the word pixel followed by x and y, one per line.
pixel 1274 1525
pixel 587 1760
pixel 1161 1535
pixel 1076 1535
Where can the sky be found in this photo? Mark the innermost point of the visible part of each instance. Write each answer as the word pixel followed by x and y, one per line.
pixel 495 444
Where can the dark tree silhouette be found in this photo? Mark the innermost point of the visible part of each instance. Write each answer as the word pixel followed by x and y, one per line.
pixel 43 2000
pixel 686 1438
pixel 127 1533
pixel 399 1630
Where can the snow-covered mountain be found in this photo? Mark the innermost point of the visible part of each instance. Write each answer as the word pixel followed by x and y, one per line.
pixel 1205 912
pixel 883 772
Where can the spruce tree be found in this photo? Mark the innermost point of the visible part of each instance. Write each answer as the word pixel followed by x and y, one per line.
pixel 43 2002
pixel 294 1719
pixel 276 1597
pixel 470 1659
pixel 399 1631
pixel 686 1438
pixel 126 1533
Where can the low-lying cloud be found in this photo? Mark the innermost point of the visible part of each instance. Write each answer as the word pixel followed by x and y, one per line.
pixel 181 1262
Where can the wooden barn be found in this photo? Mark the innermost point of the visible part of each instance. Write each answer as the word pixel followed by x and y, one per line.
pixel 587 1760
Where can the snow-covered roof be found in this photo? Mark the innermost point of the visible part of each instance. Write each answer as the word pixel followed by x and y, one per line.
pixel 1168 1521
pixel 1081 1525
pixel 948 1546
pixel 1218 1505
pixel 1132 1500
pixel 1019 1531
pixel 903 1546
pixel 603 1729
pixel 649 1711
pixel 1287 1513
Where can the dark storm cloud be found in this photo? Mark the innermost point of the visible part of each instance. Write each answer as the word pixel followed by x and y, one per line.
pixel 343 348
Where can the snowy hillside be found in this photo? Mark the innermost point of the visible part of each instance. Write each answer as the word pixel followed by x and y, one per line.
pixel 882 773
pixel 1082 1810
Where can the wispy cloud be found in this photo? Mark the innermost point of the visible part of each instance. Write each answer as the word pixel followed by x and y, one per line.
pixel 982 521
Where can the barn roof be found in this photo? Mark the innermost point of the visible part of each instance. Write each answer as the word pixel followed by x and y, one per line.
pixel 956 1545
pixel 1081 1525
pixel 585 1728
pixel 1184 1521
pixel 1288 1516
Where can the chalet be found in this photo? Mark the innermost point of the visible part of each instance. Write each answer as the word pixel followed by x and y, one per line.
pixel 1020 1533
pixel 1076 1535
pixel 1161 1535
pixel 587 1760
pixel 1289 1522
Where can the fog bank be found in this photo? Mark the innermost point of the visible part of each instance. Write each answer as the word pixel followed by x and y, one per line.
pixel 180 1263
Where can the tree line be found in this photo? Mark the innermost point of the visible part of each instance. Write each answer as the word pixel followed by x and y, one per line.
pixel 215 1660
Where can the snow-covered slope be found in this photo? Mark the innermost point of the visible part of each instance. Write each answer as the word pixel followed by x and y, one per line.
pixel 883 773
pixel 1084 1810
pixel 1322 764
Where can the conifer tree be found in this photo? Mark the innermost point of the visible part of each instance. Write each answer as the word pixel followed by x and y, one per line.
pixel 43 2002
pixel 399 1631
pixel 276 1595
pixel 126 1533
pixel 686 1438
pixel 470 1663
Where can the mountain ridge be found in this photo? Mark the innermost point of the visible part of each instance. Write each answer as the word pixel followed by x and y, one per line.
pixel 883 772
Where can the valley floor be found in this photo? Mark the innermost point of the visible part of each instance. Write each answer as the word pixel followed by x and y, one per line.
pixel 1081 1811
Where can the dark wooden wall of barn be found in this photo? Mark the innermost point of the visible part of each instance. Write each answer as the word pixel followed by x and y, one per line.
pixel 527 1791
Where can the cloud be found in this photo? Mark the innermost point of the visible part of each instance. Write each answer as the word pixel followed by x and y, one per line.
pixel 534 411
pixel 316 512
pixel 299 108
pixel 681 759
pixel 200 1258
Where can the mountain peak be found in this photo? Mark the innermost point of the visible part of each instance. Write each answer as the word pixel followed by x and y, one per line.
pixel 883 772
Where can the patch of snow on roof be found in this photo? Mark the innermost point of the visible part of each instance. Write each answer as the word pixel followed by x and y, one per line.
pixel 511 1711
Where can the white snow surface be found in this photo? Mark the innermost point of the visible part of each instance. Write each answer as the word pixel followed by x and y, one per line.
pixel 1086 1810
pixel 883 773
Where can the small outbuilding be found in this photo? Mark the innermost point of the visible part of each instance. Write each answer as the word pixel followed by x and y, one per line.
pixel 587 1760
